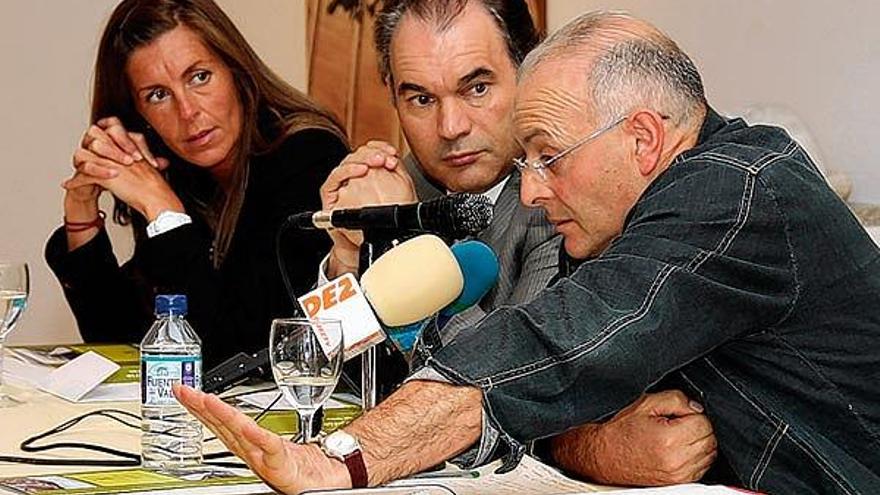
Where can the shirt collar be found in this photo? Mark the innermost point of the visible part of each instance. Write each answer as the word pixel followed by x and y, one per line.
pixel 494 192
pixel 712 123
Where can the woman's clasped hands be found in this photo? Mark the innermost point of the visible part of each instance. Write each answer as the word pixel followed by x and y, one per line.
pixel 112 158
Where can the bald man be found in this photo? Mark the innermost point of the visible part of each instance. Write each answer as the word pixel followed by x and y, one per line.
pixel 715 253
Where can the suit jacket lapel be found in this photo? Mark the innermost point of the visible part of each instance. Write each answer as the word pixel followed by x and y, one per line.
pixel 503 212
pixel 425 189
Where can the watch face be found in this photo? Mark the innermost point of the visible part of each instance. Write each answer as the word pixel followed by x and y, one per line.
pixel 341 443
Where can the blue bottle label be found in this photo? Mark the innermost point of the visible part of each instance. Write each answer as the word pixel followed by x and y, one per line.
pixel 159 373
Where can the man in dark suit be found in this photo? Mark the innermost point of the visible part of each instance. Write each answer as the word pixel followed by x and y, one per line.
pixel 451 70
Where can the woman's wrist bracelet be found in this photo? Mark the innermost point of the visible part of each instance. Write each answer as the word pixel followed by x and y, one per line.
pixel 83 226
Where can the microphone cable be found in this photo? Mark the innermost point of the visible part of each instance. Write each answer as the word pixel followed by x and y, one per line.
pixel 285 277
pixel 128 459
pixel 282 265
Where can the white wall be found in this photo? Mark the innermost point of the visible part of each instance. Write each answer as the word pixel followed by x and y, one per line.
pixel 277 31
pixel 47 50
pixel 820 58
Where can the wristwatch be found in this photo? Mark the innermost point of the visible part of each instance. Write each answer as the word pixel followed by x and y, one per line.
pixel 340 445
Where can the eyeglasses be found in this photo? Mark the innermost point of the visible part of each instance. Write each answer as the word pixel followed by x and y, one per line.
pixel 542 166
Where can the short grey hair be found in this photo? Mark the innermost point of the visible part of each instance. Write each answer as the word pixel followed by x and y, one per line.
pixel 633 65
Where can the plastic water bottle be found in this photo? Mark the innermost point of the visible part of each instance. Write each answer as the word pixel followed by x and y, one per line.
pixel 171 352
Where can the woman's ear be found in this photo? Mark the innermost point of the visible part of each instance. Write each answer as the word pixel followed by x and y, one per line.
pixel 647 128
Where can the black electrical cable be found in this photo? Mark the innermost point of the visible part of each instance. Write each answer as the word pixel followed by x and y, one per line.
pixel 282 267
pixel 228 397
pixel 129 459
pixel 27 445
pixel 258 417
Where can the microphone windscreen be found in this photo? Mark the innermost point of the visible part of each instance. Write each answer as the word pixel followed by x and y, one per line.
pixel 412 281
pixel 479 267
pixel 457 215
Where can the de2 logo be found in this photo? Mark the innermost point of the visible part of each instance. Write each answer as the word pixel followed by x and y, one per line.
pixel 334 293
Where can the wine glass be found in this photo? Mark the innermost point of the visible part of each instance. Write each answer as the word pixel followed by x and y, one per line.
pixel 14 289
pixel 306 356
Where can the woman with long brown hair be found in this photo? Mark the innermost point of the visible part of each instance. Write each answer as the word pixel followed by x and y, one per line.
pixel 206 152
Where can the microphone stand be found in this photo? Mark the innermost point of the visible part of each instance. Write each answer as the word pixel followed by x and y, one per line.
pixel 376 242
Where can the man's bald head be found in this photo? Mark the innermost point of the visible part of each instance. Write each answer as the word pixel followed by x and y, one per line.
pixel 630 64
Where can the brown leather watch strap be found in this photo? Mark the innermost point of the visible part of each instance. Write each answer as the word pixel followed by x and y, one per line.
pixel 357 470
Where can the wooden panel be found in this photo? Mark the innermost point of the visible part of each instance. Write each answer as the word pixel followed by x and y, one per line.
pixel 538 9
pixel 332 43
pixel 343 72
pixel 374 116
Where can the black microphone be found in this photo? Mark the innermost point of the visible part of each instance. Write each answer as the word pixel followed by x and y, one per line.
pixel 455 215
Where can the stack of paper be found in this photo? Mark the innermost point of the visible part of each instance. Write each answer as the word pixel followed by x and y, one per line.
pixel 91 376
pixel 206 480
pixel 535 478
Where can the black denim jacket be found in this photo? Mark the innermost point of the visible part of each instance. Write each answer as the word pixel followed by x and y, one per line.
pixel 741 273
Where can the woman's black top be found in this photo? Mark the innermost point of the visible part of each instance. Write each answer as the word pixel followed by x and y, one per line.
pixel 231 307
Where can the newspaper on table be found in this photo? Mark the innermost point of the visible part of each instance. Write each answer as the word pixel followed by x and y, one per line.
pixel 204 480
pixel 535 478
pixel 530 476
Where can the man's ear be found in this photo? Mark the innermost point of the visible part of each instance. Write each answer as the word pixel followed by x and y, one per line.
pixel 646 126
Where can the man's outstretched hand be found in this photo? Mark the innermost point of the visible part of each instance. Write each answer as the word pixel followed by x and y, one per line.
pixel 285 466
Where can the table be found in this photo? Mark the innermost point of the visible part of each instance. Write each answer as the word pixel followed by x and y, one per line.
pixel 42 411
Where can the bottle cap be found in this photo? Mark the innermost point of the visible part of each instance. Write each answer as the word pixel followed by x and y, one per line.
pixel 174 304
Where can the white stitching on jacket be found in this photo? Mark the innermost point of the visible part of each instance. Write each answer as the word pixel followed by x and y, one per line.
pixel 621 322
